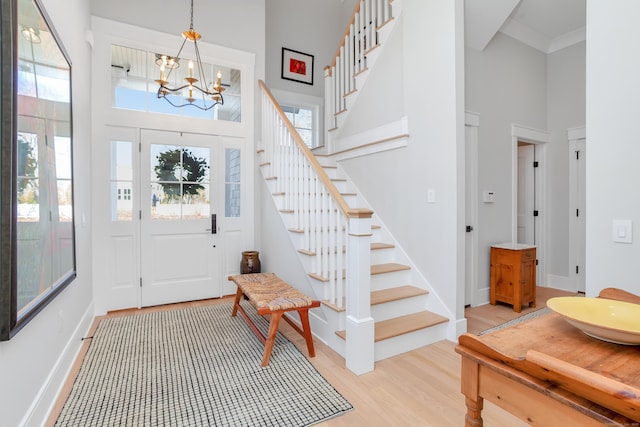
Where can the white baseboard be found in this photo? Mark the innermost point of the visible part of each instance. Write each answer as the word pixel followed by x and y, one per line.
pixel 48 394
pixel 560 282
pixel 456 329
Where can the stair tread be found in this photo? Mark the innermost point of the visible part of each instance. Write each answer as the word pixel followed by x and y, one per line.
pixel 380 245
pixel 389 267
pixel 387 295
pixel 375 269
pixel 395 294
pixel 403 325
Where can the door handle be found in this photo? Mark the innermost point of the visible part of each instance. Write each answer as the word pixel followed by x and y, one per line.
pixel 214 225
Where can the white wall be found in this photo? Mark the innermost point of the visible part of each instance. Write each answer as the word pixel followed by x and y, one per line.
pixel 34 364
pixel 566 91
pixel 238 25
pixel 506 84
pixel 396 182
pixel 613 38
pixel 309 26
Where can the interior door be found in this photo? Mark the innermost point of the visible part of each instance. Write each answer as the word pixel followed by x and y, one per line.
pixel 578 212
pixel 526 194
pixel 471 200
pixel 179 251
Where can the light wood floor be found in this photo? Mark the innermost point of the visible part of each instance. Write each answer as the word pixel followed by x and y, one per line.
pixel 419 388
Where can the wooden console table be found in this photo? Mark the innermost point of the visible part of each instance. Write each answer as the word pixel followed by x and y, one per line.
pixel 548 373
pixel 513 275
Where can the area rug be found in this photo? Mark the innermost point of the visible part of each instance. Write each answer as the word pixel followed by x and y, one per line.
pixel 196 366
pixel 517 320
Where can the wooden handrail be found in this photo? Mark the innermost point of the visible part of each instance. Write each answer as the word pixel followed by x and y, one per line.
pixel 344 207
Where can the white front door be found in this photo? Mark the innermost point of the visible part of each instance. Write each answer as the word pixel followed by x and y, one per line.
pixel 178 217
pixel 180 258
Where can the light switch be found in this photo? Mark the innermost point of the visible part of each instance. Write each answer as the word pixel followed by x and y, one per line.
pixel 622 231
pixel 488 196
pixel 431 195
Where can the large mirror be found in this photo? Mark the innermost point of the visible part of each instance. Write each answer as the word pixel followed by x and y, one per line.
pixel 36 177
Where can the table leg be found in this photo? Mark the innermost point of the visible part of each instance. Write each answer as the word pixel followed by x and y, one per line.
pixel 470 388
pixel 271 336
pixel 306 328
pixel 473 417
pixel 236 302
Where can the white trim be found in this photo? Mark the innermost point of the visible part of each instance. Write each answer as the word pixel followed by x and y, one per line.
pixel 372 140
pixel 472 118
pixel 399 141
pixel 45 399
pixel 559 282
pixel 107 33
pixel 472 121
pixel 539 41
pixel 539 138
pixel 577 133
pixel 568 39
pixel 532 135
pixel 576 138
pixel 526 35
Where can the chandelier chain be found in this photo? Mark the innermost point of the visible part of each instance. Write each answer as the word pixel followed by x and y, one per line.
pixel 190 87
pixel 191 15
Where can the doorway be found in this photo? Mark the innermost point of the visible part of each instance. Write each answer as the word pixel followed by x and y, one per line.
pixel 526 193
pixel 577 211
pixel 528 172
pixel 177 226
pixel 472 123
pixel 180 260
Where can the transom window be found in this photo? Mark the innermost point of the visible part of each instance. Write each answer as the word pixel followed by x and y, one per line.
pixel 133 75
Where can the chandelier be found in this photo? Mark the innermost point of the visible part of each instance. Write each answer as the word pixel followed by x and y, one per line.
pixel 210 95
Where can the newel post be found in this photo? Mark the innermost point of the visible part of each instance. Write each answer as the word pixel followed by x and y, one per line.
pixel 359 351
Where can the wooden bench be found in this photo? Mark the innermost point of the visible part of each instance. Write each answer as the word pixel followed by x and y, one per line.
pixel 271 295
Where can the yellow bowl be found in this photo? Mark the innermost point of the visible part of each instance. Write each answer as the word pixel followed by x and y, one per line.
pixel 609 320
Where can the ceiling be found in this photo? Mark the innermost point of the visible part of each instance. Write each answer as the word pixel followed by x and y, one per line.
pixel 546 25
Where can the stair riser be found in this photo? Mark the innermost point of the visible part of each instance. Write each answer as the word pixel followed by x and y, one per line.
pixel 310 264
pixel 389 280
pixel 398 308
pixel 333 173
pixel 383 256
pixel 341 186
pixel 411 341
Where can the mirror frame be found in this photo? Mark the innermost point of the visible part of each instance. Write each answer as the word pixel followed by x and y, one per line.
pixel 10 324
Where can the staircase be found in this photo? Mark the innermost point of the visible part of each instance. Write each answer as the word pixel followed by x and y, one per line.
pixel 375 303
pixel 371 24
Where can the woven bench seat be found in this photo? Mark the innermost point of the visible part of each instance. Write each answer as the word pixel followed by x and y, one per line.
pixel 271 295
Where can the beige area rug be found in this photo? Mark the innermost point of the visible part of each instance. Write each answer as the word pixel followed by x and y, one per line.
pixel 524 318
pixel 196 366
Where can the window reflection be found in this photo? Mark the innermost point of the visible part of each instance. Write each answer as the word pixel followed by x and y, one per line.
pixel 44 231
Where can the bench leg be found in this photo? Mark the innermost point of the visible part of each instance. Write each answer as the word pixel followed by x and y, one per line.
pixel 271 336
pixel 236 303
pixel 306 328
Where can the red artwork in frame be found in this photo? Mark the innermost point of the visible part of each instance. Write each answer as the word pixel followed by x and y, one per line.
pixel 297 66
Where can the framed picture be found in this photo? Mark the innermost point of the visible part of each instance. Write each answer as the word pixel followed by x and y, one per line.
pixel 297 66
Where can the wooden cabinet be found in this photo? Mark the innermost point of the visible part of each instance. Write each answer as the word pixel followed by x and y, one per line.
pixel 513 275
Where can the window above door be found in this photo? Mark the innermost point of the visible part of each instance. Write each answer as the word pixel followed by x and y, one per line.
pixel 133 82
